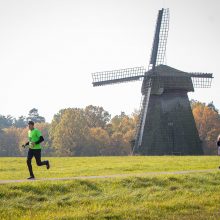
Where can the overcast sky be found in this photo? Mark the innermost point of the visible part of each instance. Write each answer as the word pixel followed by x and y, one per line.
pixel 49 48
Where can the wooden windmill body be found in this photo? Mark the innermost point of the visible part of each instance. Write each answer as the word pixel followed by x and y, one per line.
pixel 166 125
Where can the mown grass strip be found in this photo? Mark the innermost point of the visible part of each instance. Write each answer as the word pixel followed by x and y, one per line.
pixel 109 176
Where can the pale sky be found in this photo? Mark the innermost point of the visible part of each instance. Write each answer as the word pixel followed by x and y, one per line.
pixel 49 48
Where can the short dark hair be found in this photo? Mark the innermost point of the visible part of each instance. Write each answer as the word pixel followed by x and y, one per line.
pixel 31 123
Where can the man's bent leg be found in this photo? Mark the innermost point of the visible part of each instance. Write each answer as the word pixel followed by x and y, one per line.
pixel 37 155
pixel 29 158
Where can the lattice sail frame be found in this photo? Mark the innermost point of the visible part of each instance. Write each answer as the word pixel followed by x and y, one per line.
pixel 118 76
pixel 160 39
pixel 199 80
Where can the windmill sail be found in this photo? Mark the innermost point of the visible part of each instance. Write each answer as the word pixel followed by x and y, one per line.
pixel 201 80
pixel 157 57
pixel 118 76
pixel 160 39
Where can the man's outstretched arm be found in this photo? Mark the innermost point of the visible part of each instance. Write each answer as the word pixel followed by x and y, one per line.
pixel 24 145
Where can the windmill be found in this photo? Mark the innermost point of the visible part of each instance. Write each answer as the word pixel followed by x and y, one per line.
pixel 166 124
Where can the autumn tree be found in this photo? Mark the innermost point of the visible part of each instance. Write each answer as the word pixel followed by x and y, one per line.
pixel 121 130
pixel 96 116
pixel 207 121
pixel 69 132
pixel 99 141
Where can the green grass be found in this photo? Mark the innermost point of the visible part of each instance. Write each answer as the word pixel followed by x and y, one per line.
pixel 190 196
pixel 164 197
pixel 15 168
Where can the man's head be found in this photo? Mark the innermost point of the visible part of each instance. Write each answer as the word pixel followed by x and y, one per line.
pixel 31 125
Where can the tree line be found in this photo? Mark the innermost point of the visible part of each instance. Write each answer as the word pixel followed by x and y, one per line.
pixel 91 131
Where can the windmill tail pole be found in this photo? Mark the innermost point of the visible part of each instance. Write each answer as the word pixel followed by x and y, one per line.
pixel 142 119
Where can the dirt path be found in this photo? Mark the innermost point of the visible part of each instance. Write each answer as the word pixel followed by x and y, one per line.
pixel 109 176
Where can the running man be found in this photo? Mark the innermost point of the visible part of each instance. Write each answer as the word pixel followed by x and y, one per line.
pixel 35 138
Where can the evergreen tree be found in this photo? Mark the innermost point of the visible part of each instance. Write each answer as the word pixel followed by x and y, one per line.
pixel 34 116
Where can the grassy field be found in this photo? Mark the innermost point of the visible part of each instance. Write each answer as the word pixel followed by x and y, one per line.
pixel 15 168
pixel 188 196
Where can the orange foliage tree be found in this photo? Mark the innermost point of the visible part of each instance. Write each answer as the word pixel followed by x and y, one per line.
pixel 207 120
